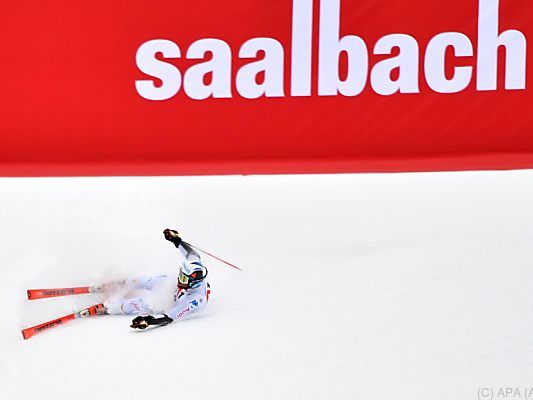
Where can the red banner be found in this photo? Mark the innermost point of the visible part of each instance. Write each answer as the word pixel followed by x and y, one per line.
pixel 210 87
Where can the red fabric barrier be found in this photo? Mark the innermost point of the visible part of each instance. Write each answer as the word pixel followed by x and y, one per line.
pixel 209 87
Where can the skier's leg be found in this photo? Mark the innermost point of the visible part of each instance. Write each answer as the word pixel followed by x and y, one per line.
pixel 148 282
pixel 141 282
pixel 132 306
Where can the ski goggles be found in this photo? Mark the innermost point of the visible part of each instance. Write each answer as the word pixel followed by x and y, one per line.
pixel 183 279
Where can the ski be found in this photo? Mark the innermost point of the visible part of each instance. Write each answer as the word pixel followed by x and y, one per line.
pixel 97 309
pixel 35 294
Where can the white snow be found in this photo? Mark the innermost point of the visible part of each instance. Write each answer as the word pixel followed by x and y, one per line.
pixel 401 286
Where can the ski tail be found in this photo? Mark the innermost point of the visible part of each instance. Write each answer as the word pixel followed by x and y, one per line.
pixel 97 309
pixel 35 294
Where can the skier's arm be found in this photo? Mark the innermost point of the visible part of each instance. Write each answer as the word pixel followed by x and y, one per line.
pixel 186 305
pixel 185 248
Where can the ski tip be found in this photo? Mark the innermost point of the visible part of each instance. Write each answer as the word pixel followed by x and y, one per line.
pixel 28 293
pixel 28 333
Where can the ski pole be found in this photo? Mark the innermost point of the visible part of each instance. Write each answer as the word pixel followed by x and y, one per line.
pixel 215 257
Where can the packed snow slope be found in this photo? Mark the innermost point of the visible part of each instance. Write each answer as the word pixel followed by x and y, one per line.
pixel 403 286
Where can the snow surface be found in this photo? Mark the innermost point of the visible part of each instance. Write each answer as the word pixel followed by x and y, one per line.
pixel 402 286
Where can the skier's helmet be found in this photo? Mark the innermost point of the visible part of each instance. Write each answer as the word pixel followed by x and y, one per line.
pixel 191 275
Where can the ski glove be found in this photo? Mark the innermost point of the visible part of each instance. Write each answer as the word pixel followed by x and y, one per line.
pixel 145 322
pixel 172 236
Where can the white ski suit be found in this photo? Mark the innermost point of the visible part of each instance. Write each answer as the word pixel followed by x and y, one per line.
pixel 186 301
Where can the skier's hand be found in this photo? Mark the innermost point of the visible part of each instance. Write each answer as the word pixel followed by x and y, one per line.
pixel 165 320
pixel 141 322
pixel 171 235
